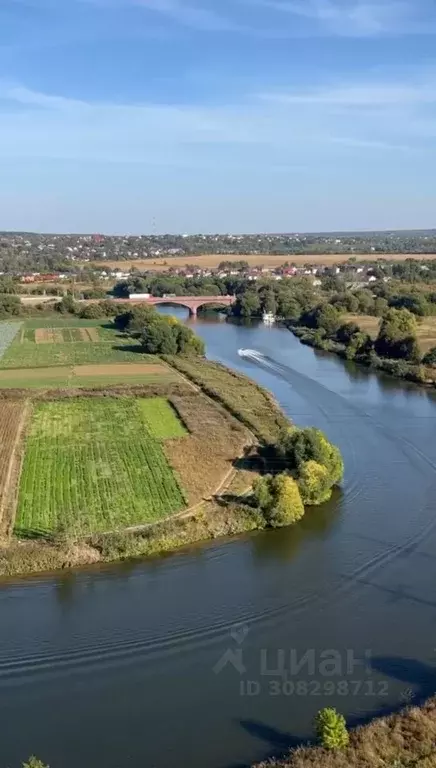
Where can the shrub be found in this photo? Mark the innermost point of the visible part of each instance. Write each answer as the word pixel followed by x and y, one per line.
pixel 331 729
pixel 34 763
pixel 279 499
pixel 430 357
pixel 314 483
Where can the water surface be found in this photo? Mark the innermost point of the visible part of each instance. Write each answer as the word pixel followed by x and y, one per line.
pixel 124 666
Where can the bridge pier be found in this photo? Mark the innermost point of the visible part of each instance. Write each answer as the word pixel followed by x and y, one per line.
pixel 193 311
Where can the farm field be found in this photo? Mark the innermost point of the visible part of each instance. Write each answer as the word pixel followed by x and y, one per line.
pixel 254 260
pixel 11 420
pixel 32 355
pixel 58 321
pixel 65 377
pixel 161 418
pixel 93 465
pixel 8 332
pixel 426 331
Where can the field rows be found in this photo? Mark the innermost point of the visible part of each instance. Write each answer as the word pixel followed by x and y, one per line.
pixel 8 332
pixel 93 465
pixel 10 419
pixel 28 355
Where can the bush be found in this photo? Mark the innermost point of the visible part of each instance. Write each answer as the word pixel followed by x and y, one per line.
pixel 298 446
pixel 34 763
pixel 67 306
pixel 279 500
pixel 314 483
pixel 430 357
pixel 331 729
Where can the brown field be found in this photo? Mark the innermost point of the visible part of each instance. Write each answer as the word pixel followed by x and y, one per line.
pixel 12 415
pixel 426 332
pixel 203 459
pixel 129 369
pixel 48 336
pixel 255 260
pixel 89 334
pixel 24 374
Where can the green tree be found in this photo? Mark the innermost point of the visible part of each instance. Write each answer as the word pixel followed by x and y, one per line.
pixel 67 306
pixel 345 332
pixel 159 338
pixel 10 306
pixel 280 500
pixel 430 357
pixel 397 336
pixel 249 304
pixel 314 483
pixel 33 762
pixel 331 729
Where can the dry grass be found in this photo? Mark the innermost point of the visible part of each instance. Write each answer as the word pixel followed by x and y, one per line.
pixel 255 260
pixel 12 422
pixel 242 397
pixel 426 331
pixel 118 369
pixel 399 741
pixel 203 459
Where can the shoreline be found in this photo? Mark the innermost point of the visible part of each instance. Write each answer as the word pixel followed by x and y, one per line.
pixel 404 738
pixel 208 519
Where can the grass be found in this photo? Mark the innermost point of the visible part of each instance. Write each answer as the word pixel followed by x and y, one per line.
pixel 403 740
pixel 161 418
pixel 30 355
pixel 241 396
pixel 57 321
pixel 426 331
pixel 91 465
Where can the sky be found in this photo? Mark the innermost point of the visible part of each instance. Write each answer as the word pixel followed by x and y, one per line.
pixel 139 116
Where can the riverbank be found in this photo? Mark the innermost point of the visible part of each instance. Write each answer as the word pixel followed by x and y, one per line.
pixel 228 422
pixel 213 463
pixel 403 740
pixel 399 369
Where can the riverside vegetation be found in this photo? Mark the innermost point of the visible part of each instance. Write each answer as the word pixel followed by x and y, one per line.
pixel 100 473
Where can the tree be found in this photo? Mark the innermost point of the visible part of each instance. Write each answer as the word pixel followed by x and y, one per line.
pixel 298 446
pixel 34 763
pixel 67 306
pixel 323 316
pixel 314 483
pixel 345 332
pixel 248 304
pixel 10 305
pixel 397 336
pixel 279 499
pixel 331 729
pixel 158 338
pixel 430 357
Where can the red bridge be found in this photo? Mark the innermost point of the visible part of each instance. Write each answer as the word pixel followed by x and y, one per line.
pixel 193 303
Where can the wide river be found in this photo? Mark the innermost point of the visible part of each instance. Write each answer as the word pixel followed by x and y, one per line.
pixel 194 659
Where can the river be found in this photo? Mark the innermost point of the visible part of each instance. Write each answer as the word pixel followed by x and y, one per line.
pixel 171 661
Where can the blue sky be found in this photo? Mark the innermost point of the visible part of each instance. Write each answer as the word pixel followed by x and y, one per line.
pixel 217 115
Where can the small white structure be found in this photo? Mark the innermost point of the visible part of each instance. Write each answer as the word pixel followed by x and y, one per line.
pixel 139 295
pixel 268 318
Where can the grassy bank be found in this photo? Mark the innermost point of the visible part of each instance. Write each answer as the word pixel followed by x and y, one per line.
pixel 242 397
pixel 399 369
pixel 403 740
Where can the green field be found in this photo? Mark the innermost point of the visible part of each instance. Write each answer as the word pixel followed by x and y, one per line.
pixel 72 381
pixel 161 418
pixel 30 355
pixel 57 321
pixel 93 465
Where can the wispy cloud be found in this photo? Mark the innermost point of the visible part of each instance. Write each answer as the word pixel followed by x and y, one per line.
pixel 360 18
pixel 277 127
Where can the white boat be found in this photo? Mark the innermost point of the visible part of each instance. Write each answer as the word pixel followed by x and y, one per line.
pixel 268 318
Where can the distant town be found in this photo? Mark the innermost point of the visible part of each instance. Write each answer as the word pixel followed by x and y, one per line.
pixel 52 258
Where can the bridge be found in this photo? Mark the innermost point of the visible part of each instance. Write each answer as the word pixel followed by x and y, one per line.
pixel 193 303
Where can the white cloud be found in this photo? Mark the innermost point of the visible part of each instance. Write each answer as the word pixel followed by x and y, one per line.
pixel 290 128
pixel 361 18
